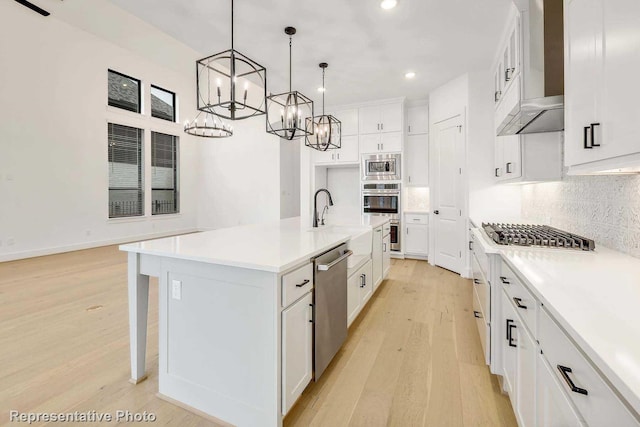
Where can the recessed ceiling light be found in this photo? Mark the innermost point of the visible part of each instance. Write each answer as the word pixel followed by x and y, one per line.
pixel 124 84
pixel 410 75
pixel 321 89
pixel 388 4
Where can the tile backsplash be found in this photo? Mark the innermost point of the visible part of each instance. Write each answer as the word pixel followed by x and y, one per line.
pixel 603 208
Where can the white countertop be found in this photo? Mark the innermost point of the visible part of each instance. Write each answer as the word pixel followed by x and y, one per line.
pixel 595 296
pixel 274 247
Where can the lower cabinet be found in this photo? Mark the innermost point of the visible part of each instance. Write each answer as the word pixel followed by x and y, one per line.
pixel 553 408
pixel 416 240
pixel 376 257
pixel 297 350
pixel 359 291
pixel 509 353
pixel 386 255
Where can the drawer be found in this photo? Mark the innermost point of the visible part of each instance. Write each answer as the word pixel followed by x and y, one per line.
pixel 296 284
pixel 481 286
pixel 483 327
pixel 417 219
pixel 600 406
pixel 521 297
pixel 481 256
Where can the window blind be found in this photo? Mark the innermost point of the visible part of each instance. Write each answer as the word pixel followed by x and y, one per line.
pixel 126 182
pixel 164 174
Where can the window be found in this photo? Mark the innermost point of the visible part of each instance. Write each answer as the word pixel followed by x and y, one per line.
pixel 124 92
pixel 164 174
pixel 126 195
pixel 163 104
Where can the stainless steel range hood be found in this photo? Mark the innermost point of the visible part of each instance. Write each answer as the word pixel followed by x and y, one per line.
pixel 542 107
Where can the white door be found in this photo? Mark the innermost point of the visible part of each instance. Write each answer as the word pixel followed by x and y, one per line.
pixel 391 118
pixel 297 350
pixel 376 257
pixel 369 120
pixel 416 239
pixel 447 161
pixel 366 288
pixel 386 255
pixel 553 407
pixel 512 161
pixel 416 160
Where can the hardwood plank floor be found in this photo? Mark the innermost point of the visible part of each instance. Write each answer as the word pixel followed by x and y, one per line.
pixel 412 358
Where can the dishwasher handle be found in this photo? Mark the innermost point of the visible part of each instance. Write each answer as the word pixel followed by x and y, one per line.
pixel 326 267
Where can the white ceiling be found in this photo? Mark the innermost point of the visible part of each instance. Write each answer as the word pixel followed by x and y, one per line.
pixel 368 49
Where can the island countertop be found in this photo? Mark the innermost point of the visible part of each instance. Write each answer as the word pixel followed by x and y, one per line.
pixel 275 246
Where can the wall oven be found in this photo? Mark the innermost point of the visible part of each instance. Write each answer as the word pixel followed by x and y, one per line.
pixel 381 167
pixel 384 199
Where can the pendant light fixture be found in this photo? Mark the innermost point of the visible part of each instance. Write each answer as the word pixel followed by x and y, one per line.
pixel 327 130
pixel 208 125
pixel 230 85
pixel 287 112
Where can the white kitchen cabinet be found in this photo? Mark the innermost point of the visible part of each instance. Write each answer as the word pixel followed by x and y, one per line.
pixel 416 160
pixel 381 143
pixel 297 350
pixel 416 240
pixel 511 156
pixel 380 118
pixel 526 377
pixel 602 61
pixel 418 120
pixel 386 255
pixel 376 257
pixel 359 291
pixel 509 349
pixel 553 407
pixel 348 121
pixel 347 153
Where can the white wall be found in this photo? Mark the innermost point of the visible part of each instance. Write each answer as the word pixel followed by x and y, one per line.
pixel 344 186
pixel 53 136
pixel 290 178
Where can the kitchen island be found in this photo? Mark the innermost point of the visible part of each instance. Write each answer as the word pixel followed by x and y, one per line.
pixel 223 295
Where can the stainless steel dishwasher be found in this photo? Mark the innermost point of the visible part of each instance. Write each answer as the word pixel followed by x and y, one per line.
pixel 330 305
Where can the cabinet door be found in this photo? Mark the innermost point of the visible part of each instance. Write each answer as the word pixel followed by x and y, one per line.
pixel 366 287
pixel 348 121
pixel 348 153
pixel 370 143
pixel 386 255
pixel 418 120
pixel 391 118
pixel 376 257
pixel 297 350
pixel 512 160
pixel 583 62
pixel 329 156
pixel 497 81
pixel 621 110
pixel 553 408
pixel 416 239
pixel 369 120
pixel 526 377
pixel 509 349
pixel 416 160
pixel 498 164
pixel 391 142
pixel 353 297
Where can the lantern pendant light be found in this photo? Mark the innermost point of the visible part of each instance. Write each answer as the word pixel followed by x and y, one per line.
pixel 287 113
pixel 327 130
pixel 230 85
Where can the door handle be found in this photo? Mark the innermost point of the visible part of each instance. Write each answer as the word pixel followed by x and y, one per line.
pixel 384 247
pixel 302 284
pixel 381 126
pixel 470 245
pixel 362 281
pixel 476 281
pixel 497 172
pixel 378 124
pixel 326 267
pixel 518 301
pixel 504 280
pixel 312 314
pixel 509 167
pixel 510 326
pixel 564 371
pixel 585 136
pixel 476 314
pixel 437 212
pixel 593 134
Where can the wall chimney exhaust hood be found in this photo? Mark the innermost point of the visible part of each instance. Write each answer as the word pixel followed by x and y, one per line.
pixel 542 105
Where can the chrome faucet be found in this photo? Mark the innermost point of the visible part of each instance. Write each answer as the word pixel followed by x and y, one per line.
pixel 315 204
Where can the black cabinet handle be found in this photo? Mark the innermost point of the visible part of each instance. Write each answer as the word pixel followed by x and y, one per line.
pixel 299 285
pixel 496 172
pixel 312 313
pixel 509 167
pixel 470 245
pixel 476 314
pixel 504 280
pixel 593 134
pixel 497 95
pixel 518 301
pixel 564 371
pixel 476 281
pixel 437 212
pixel 363 281
pixel 510 326
pixel 585 138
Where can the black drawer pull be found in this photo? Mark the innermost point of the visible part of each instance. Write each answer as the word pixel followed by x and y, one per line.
pixel 585 138
pixel 476 314
pixel 299 285
pixel 510 326
pixel 496 172
pixel 476 281
pixel 470 245
pixel 564 371
pixel 593 135
pixel 504 280
pixel 509 167
pixel 312 313
pixel 518 301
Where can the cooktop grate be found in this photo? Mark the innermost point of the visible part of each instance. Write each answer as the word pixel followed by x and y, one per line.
pixel 536 235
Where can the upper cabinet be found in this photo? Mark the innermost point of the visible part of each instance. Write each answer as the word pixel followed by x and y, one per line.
pixel 380 118
pixel 508 67
pixel 347 153
pixel 602 62
pixel 418 120
pixel 348 121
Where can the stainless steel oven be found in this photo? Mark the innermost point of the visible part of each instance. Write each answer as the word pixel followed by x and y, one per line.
pixel 381 167
pixel 384 200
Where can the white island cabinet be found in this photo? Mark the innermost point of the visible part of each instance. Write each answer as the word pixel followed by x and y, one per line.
pixel 235 312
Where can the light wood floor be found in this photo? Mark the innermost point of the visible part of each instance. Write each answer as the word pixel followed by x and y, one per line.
pixel 413 357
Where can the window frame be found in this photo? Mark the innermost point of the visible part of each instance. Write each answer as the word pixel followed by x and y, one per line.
pixel 173 97
pixel 176 173
pixel 139 109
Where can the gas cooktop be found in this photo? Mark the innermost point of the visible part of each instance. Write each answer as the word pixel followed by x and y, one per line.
pixel 536 235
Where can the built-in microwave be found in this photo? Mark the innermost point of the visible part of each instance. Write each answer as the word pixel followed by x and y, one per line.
pixel 381 167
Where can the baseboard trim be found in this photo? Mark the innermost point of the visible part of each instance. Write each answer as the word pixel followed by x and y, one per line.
pixel 14 256
pixel 419 257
